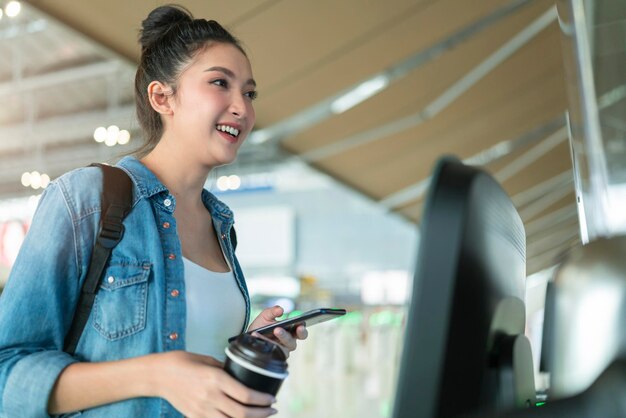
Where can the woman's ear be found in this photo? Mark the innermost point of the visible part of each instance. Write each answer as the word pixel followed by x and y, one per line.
pixel 159 95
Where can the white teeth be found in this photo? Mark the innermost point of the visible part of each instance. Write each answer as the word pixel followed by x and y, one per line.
pixel 228 129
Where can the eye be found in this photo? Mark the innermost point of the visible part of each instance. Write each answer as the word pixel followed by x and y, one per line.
pixel 220 82
pixel 252 95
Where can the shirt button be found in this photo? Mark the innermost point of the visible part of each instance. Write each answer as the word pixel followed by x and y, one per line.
pixel 175 293
pixel 110 279
pixel 166 225
pixel 173 336
pixel 167 202
pixel 172 256
pixel 223 236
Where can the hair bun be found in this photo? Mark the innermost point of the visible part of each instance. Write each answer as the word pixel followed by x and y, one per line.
pixel 160 21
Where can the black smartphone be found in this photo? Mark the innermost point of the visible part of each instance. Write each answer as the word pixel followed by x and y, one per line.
pixel 309 318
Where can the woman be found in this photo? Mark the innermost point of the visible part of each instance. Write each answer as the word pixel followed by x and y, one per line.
pixel 173 291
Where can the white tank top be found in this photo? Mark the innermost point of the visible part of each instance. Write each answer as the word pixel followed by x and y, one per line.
pixel 215 310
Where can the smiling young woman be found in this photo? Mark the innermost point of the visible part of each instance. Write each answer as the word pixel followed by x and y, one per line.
pixel 211 114
pixel 173 291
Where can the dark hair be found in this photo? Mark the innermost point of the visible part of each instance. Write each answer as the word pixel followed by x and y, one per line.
pixel 170 37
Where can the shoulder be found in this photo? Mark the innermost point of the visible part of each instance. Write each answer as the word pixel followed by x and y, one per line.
pixel 81 189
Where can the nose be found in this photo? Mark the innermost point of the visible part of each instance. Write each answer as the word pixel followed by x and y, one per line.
pixel 238 106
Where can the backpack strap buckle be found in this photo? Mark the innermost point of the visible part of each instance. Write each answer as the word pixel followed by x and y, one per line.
pixel 111 228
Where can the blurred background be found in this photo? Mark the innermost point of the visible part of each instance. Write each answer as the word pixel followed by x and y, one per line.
pixel 357 99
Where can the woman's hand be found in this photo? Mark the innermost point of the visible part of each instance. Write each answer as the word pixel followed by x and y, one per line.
pixel 287 340
pixel 198 387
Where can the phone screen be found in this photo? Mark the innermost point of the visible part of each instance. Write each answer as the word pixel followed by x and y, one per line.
pixel 309 318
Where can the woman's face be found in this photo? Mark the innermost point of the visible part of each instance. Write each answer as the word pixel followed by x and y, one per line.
pixel 212 108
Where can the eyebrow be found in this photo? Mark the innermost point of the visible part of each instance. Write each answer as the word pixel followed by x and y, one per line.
pixel 230 74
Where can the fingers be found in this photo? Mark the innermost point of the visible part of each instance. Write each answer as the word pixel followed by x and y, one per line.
pixel 244 395
pixel 200 388
pixel 266 317
pixel 239 401
pixel 270 314
pixel 285 339
pixel 288 339
pixel 231 408
pixel 301 332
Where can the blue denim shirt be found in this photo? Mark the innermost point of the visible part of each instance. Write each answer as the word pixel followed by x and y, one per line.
pixel 135 312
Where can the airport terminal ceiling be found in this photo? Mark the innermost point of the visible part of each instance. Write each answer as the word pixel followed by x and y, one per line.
pixel 369 92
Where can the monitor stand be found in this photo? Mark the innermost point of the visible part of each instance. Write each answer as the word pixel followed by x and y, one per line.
pixel 514 367
pixel 605 398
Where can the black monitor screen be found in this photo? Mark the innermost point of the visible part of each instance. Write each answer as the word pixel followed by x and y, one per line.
pixel 464 348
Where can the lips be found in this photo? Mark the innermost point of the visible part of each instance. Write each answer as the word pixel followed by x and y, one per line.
pixel 229 132
pixel 229 129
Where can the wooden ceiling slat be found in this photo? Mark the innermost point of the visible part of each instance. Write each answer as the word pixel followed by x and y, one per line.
pixel 116 23
pixel 550 164
pixel 571 224
pixel 386 166
pixel 412 208
pixel 412 93
pixel 392 45
pixel 549 259
pixel 521 73
pixel 280 58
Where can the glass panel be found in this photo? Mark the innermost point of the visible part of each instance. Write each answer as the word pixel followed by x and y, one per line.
pixel 594 49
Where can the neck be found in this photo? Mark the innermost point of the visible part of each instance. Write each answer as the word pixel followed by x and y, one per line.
pixel 178 173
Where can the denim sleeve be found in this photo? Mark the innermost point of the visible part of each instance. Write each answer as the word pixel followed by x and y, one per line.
pixel 36 308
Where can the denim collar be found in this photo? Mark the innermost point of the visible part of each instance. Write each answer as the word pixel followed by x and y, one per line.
pixel 146 182
pixel 148 185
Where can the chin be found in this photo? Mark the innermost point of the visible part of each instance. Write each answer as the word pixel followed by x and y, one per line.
pixel 219 157
pixel 218 162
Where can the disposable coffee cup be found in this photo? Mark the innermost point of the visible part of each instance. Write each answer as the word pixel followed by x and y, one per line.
pixel 258 363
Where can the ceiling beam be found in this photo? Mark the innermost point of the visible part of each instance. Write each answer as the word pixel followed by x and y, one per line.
pixel 529 195
pixel 49 19
pixel 549 257
pixel 556 240
pixel 553 221
pixel 533 209
pixel 64 129
pixel 532 155
pixel 323 110
pixel 67 76
pixel 484 157
pixel 443 100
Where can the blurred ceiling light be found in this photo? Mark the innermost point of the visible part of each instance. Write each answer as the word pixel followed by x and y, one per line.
pixel 232 182
pixel 360 93
pixel 222 183
pixel 111 136
pixel 26 179
pixel 45 181
pixel 35 180
pixel 112 133
pixel 123 137
pixel 100 134
pixel 13 8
